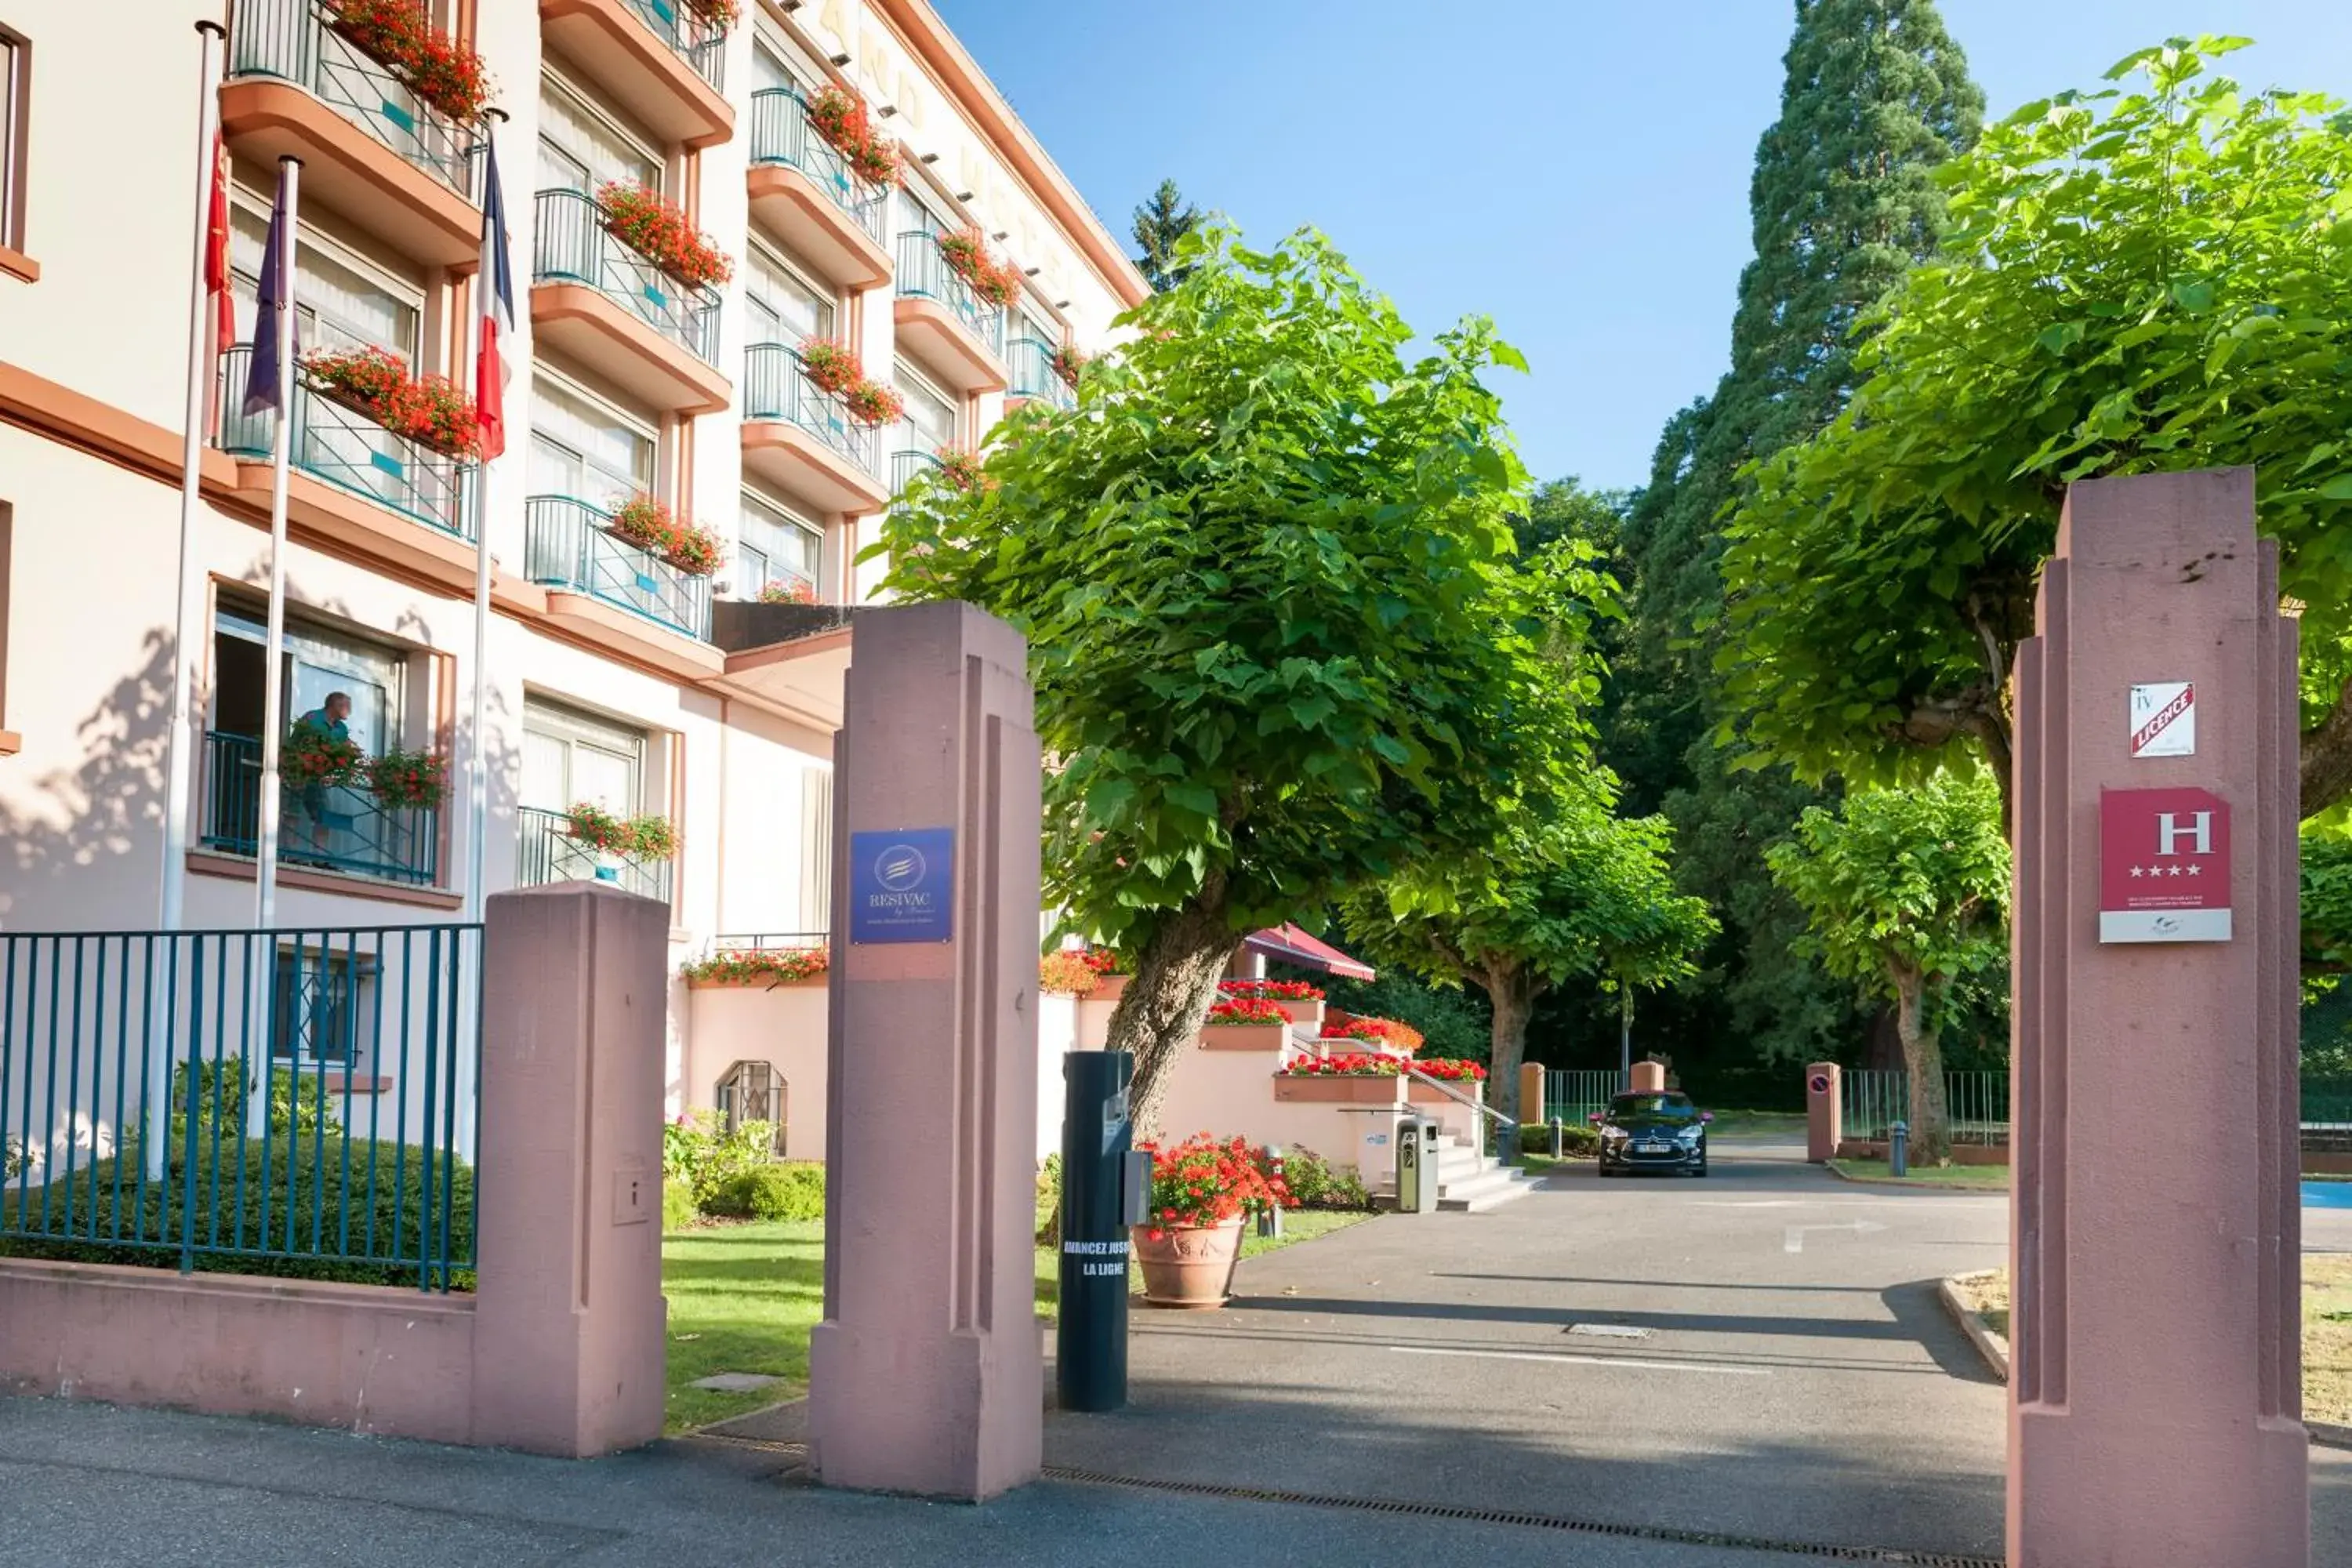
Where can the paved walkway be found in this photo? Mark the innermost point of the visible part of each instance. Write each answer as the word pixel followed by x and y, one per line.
pixel 1795 1384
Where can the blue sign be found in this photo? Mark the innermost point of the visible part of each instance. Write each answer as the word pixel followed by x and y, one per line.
pixel 902 885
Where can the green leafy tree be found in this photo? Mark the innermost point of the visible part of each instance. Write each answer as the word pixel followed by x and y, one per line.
pixel 1160 225
pixel 2140 281
pixel 1578 892
pixel 1875 96
pixel 1907 891
pixel 1280 640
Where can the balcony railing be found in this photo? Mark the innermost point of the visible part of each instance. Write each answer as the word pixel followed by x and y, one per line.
pixel 565 545
pixel 349 450
pixel 546 852
pixel 326 828
pixel 573 244
pixel 291 40
pixel 1030 363
pixel 906 467
pixel 756 571
pixel 700 43
pixel 776 386
pixel 923 273
pixel 781 134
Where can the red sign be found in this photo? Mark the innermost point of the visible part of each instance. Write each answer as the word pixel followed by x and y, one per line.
pixel 2164 866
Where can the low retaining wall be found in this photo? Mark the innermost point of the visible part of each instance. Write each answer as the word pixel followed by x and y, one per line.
pixel 366 1358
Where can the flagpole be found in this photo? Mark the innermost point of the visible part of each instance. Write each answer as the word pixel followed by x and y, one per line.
pixel 281 452
pixel 477 769
pixel 180 765
pixel 179 762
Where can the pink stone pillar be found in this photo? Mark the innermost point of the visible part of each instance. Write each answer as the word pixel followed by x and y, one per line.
pixel 927 1374
pixel 1824 1111
pixel 1531 1093
pixel 568 1319
pixel 2154 1394
pixel 1649 1078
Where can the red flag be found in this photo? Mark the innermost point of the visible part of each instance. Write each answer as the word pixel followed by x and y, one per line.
pixel 216 276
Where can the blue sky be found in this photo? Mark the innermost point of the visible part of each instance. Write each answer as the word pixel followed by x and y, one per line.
pixel 1577 170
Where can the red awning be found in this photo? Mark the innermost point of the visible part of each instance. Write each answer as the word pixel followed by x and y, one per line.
pixel 1291 945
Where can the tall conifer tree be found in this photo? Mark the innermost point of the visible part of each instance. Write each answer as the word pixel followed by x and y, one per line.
pixel 1160 223
pixel 1875 94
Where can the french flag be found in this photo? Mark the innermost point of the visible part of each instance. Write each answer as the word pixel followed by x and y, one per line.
pixel 495 287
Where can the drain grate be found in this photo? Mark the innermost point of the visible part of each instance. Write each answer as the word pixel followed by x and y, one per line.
pixel 1534 1522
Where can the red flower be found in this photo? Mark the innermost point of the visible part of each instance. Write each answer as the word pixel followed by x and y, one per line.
pixel 646 223
pixel 1271 990
pixel 1245 1010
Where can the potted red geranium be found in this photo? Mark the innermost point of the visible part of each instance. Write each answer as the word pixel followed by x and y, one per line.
pixel 1201 1191
pixel 1245 1024
pixel 1068 363
pixel 1063 972
pixel 648 224
pixel 1302 1000
pixel 871 403
pixel 1111 974
pixel 1381 1034
pixel 840 118
pixel 831 366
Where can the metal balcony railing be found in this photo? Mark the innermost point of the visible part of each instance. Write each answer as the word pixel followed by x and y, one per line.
pixel 347 449
pixel 565 545
pixel 693 38
pixel 1030 361
pixel 781 134
pixel 326 828
pixel 293 41
pixel 906 467
pixel 573 243
pixel 546 852
pixel 756 571
pixel 776 386
pixel 923 273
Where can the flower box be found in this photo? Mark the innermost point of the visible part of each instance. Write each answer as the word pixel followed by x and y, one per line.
pixel 1244 1036
pixel 397 35
pixel 1382 1090
pixel 1420 1093
pixel 763 968
pixel 840 118
pixel 646 223
pixel 650 526
pixel 431 411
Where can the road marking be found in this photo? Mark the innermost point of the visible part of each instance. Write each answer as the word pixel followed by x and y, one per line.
pixel 1590 1361
pixel 1795 1236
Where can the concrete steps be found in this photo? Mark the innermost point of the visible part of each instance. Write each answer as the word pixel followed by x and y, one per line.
pixel 1467 1184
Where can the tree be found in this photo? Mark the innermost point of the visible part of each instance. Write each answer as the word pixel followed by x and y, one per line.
pixel 1907 891
pixel 1160 225
pixel 1875 96
pixel 1280 641
pixel 1572 892
pixel 2140 282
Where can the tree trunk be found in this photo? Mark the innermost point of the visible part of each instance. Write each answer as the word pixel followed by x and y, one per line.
pixel 2326 756
pixel 1923 1058
pixel 1167 1000
pixel 1513 991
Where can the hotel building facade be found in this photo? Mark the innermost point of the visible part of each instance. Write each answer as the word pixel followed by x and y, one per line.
pixel 615 678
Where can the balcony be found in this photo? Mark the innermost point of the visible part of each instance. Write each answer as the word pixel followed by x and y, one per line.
pixel 546 853
pixel 658 57
pixel 803 438
pixel 1030 361
pixel 804 194
pixel 906 467
pixel 599 302
pixel 331 828
pixel 943 320
pixel 371 150
pixel 567 551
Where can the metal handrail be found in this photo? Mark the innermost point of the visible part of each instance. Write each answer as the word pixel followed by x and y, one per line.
pixel 781 133
pixel 1029 365
pixel 295 41
pixel 337 442
pixel 923 273
pixel 332 827
pixel 766 941
pixel 1506 1149
pixel 693 38
pixel 546 853
pixel 776 386
pixel 572 242
pixel 566 545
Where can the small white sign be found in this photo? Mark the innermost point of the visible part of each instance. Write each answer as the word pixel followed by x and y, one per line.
pixel 2164 720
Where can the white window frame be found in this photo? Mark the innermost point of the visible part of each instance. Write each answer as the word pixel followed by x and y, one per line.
pixel 15 134
pixel 783 262
pixel 253 206
pixel 783 517
pixel 555 82
pixel 906 376
pixel 650 429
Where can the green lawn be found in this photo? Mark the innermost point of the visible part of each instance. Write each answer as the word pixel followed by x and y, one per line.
pixel 742 1297
pixel 1984 1178
pixel 1779 1123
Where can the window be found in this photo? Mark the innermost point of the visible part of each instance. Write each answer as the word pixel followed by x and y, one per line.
pixel 774 546
pixel 580 147
pixel 569 756
pixel 1036 326
pixel 753 1092
pixel 341 301
pixel 16 128
pixel 319 999
pixel 769 71
pixel 916 213
pixel 584 447
pixel 931 418
pixel 786 308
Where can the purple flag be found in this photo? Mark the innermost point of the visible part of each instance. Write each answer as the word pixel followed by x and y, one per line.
pixel 261 383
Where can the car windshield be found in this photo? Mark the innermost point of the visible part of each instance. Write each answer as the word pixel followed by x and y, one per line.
pixel 1652 1106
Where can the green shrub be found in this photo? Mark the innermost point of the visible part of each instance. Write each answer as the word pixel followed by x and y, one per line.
pixel 1317 1183
pixel 285 1194
pixel 697 1149
pixel 1049 1202
pixel 677 1207
pixel 787 1190
pixel 1576 1138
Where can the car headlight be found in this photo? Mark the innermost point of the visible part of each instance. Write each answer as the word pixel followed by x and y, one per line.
pixel 1612 1135
pixel 1690 1134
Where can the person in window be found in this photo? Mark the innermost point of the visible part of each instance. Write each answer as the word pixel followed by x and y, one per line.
pixel 329 720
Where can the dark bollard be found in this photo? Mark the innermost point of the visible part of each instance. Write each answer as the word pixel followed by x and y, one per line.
pixel 1899 1149
pixel 1101 1196
pixel 1558 1139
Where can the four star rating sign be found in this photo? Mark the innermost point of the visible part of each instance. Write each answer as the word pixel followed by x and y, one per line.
pixel 2164 866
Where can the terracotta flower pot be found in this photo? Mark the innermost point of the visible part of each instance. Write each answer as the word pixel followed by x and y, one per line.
pixel 1189 1265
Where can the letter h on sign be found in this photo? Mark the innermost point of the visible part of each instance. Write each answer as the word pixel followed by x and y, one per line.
pixel 2169 833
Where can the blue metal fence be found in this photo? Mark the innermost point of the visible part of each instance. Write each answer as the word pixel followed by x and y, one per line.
pixel 1571 1094
pixel 1030 364
pixel 923 273
pixel 781 134
pixel 349 450
pixel 566 545
pixel 273 1102
pixel 776 386
pixel 334 828
pixel 293 40
pixel 1976 1104
pixel 572 243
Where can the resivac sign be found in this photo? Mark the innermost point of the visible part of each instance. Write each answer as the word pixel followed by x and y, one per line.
pixel 902 885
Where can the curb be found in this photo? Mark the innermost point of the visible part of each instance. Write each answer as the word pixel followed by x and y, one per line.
pixel 1912 1186
pixel 1991 1346
pixel 1994 1348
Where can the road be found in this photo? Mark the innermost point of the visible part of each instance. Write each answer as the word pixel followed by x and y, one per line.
pixel 1760 1356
